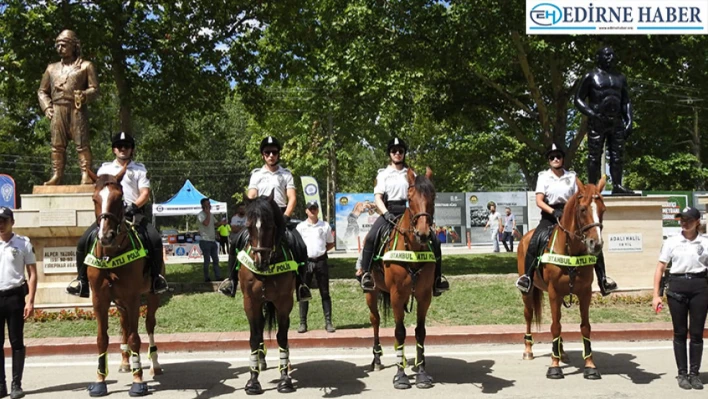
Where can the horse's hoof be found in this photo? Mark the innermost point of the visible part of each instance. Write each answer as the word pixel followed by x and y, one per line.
pixel 286 385
pixel 124 368
pixel 253 387
pixel 156 371
pixel 555 373
pixel 591 373
pixel 98 389
pixel 401 380
pixel 423 380
pixel 528 356
pixel 138 389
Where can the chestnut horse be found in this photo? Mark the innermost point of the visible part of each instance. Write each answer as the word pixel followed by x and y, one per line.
pixel 578 234
pixel 117 272
pixel 267 283
pixel 408 274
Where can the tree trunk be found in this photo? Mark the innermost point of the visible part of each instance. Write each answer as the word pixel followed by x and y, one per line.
pixel 119 68
pixel 332 177
pixel 700 183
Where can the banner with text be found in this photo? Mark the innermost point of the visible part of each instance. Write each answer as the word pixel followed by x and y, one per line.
pixel 450 218
pixel 311 190
pixel 355 213
pixel 478 212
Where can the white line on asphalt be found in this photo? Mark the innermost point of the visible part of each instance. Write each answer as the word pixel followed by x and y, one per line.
pixel 244 359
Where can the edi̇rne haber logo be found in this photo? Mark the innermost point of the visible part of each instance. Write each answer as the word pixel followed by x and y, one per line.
pixel 604 17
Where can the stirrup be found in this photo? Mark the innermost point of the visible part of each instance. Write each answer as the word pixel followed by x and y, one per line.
pixel 80 289
pixel 441 285
pixel 365 282
pixel 519 284
pixel 304 294
pixel 607 286
pixel 228 288
pixel 159 284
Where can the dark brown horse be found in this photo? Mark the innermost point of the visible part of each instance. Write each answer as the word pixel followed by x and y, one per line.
pixel 402 279
pixel 119 275
pixel 579 233
pixel 267 296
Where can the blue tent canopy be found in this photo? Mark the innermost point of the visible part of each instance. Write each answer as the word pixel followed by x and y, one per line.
pixel 186 202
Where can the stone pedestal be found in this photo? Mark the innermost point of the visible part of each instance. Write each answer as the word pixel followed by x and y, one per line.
pixel 632 235
pixel 54 217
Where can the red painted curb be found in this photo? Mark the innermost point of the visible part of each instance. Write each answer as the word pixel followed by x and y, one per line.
pixel 360 338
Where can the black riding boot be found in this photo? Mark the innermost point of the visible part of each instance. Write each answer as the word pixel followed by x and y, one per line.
pixel 3 384
pixel 441 284
pixel 367 282
pixel 18 366
pixel 304 307
pixel 327 310
pixel 303 291
pixel 80 286
pixel 526 280
pixel 228 286
pixel 607 285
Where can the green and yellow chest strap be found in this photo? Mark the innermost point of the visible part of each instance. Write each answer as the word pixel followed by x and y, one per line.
pixel 566 260
pixel 406 256
pixel 288 265
pixel 137 252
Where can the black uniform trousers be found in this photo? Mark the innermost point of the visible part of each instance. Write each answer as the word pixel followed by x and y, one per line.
pixel 319 269
pixel 12 307
pixel 687 297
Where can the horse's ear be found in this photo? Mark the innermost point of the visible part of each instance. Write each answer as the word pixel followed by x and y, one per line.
pixel 91 175
pixel 411 177
pixel 272 195
pixel 601 183
pixel 428 172
pixel 581 186
pixel 120 174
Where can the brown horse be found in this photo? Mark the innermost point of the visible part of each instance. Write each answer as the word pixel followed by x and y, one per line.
pixel 119 275
pixel 267 296
pixel 578 233
pixel 401 279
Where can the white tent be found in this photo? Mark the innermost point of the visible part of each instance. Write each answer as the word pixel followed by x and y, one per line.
pixel 186 202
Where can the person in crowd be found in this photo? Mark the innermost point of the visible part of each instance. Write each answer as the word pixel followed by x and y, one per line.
pixel 238 221
pixel 495 223
pixel 509 227
pixel 687 294
pixel 318 238
pixel 17 294
pixel 224 231
pixel 207 242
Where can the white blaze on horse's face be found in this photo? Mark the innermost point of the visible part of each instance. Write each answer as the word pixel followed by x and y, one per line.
pixel 104 209
pixel 259 224
pixel 596 219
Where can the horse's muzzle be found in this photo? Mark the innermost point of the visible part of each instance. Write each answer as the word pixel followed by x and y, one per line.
pixel 594 246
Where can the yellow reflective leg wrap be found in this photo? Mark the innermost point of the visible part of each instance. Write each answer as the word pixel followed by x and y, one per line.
pixel 555 347
pixel 400 356
pixel 284 359
pixel 378 350
pixel 587 348
pixel 528 338
pixel 253 362
pixel 103 364
pixel 135 365
pixel 419 354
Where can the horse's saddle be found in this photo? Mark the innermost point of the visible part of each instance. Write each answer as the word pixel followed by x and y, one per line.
pixel 381 239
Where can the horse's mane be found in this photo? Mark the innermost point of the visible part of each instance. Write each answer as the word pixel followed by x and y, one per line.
pixel 268 212
pixel 104 180
pixel 424 186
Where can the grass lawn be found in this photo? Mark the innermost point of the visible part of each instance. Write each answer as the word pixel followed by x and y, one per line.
pixel 473 300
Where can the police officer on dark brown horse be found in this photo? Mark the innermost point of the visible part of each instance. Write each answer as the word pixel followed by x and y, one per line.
pixel 554 188
pixel 391 194
pixel 610 117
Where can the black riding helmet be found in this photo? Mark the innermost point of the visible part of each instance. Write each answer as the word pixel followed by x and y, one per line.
pixel 554 149
pixel 396 142
pixel 270 141
pixel 122 138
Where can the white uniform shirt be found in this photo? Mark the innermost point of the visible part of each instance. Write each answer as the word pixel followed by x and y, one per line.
pixel 266 181
pixel 316 237
pixel 685 256
pixel 134 179
pixel 14 255
pixel 557 190
pixel 392 182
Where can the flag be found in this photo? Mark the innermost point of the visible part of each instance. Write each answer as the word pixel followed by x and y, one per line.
pixel 7 192
pixel 311 191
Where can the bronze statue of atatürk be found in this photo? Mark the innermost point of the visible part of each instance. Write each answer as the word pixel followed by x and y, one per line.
pixel 603 97
pixel 67 86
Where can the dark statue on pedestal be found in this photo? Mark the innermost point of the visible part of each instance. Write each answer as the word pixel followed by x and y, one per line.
pixel 65 89
pixel 602 96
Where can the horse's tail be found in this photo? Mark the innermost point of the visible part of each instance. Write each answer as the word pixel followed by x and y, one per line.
pixel 269 310
pixel 385 304
pixel 537 299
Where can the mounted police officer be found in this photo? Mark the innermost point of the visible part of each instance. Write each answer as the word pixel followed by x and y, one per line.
pixel 554 188
pixel 276 179
pixel 136 193
pixel 391 194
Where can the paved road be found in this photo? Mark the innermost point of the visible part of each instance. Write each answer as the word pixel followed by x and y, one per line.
pixel 630 370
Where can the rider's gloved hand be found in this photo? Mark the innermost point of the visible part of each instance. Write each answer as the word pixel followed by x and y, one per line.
pixel 557 213
pixel 390 217
pixel 131 210
pixel 287 219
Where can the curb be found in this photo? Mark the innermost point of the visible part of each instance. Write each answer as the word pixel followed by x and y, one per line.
pixel 355 338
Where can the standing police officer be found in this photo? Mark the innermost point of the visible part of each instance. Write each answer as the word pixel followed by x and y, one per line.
pixel 271 178
pixel 136 193
pixel 318 238
pixel 16 254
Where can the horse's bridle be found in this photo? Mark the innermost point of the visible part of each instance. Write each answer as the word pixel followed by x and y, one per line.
pixel 583 229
